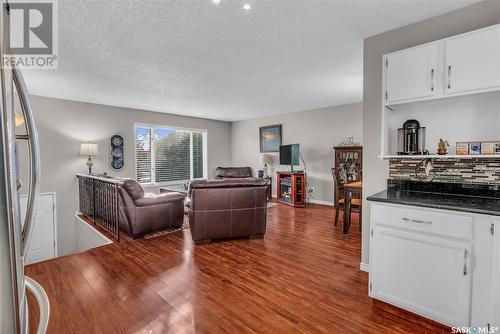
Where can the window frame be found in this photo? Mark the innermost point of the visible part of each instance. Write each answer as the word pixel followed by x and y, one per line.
pixel 153 128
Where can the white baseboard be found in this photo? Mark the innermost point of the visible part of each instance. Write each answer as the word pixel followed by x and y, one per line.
pixel 317 201
pixel 364 267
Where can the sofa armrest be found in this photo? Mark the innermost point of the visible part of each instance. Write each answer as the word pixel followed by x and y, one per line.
pixel 165 198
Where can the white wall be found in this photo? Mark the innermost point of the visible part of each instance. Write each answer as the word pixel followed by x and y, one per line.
pixel 88 237
pixel 317 131
pixel 63 125
pixel 375 171
pixel 467 118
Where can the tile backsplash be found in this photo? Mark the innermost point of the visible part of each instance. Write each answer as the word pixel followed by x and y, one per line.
pixel 471 171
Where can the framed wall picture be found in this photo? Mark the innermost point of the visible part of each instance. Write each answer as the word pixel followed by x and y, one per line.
pixel 270 138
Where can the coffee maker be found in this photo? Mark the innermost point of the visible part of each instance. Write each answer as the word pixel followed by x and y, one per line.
pixel 411 138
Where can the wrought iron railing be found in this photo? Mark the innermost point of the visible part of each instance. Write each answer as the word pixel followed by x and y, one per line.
pixel 98 198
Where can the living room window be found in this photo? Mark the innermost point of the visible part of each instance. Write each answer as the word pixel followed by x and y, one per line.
pixel 167 155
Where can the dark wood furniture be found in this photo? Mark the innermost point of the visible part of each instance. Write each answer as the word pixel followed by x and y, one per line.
pixel 340 202
pixel 291 189
pixel 349 162
pixel 352 200
pixel 348 168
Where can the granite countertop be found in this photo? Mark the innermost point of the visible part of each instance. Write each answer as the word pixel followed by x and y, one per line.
pixel 469 199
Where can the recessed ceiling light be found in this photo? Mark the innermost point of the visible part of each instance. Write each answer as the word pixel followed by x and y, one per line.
pixel 247 6
pixel 216 2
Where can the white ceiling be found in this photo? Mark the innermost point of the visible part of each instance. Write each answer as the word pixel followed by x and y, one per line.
pixel 220 62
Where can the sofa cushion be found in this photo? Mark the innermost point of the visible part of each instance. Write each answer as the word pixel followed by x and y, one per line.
pixel 233 172
pixel 133 188
pixel 152 199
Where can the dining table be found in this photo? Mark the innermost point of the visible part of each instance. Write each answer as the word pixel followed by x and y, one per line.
pixel 350 189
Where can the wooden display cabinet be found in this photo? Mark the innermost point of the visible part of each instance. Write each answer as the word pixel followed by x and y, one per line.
pixel 348 163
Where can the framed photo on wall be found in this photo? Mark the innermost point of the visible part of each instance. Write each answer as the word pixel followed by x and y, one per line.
pixel 270 138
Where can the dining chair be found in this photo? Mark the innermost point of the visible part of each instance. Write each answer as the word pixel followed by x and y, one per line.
pixel 339 201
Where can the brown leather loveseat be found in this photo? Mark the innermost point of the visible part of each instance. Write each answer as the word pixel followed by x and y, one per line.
pixel 141 213
pixel 227 208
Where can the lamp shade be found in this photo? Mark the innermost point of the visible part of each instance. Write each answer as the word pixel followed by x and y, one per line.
pixel 88 149
pixel 267 159
pixel 18 119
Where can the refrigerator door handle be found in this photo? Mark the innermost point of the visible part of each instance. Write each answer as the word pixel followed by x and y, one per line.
pixel 43 303
pixel 34 154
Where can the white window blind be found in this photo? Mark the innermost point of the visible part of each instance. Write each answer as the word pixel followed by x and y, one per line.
pixel 143 154
pixel 198 161
pixel 169 155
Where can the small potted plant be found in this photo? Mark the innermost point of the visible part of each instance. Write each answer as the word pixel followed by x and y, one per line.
pixel 443 144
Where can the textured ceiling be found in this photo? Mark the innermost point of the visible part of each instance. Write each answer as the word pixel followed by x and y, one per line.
pixel 220 62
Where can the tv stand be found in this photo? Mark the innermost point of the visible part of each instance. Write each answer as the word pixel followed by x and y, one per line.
pixel 291 188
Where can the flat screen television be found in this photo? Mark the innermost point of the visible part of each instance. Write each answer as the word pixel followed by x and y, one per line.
pixel 290 155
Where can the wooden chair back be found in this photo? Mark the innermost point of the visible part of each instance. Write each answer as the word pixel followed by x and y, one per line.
pixel 338 194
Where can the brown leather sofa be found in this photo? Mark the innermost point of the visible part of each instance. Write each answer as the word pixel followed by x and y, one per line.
pixel 141 213
pixel 227 208
pixel 233 172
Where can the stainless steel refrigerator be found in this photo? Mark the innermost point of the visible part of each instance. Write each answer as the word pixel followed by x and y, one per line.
pixel 15 232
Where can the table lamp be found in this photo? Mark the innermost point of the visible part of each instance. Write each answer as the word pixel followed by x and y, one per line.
pixel 266 159
pixel 18 119
pixel 90 150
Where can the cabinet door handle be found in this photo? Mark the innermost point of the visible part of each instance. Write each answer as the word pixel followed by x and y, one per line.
pixel 432 80
pixel 449 76
pixel 427 222
pixel 466 255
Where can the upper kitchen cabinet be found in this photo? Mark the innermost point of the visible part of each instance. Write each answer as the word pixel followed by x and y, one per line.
pixel 472 61
pixel 451 86
pixel 411 74
pixel 460 65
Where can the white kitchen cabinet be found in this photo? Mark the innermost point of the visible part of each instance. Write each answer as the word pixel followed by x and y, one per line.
pixel 463 93
pixel 494 303
pixel 472 61
pixel 427 275
pixel 460 65
pixel 441 264
pixel 486 297
pixel 412 74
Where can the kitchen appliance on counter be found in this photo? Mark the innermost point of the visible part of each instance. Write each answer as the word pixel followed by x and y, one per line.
pixel 411 138
pixel 17 127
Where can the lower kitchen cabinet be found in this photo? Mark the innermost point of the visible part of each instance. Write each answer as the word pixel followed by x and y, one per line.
pixel 426 274
pixel 451 277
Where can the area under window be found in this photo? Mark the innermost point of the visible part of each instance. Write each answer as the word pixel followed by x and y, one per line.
pixel 166 155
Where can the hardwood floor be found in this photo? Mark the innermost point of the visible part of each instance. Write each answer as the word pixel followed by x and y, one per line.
pixel 302 278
